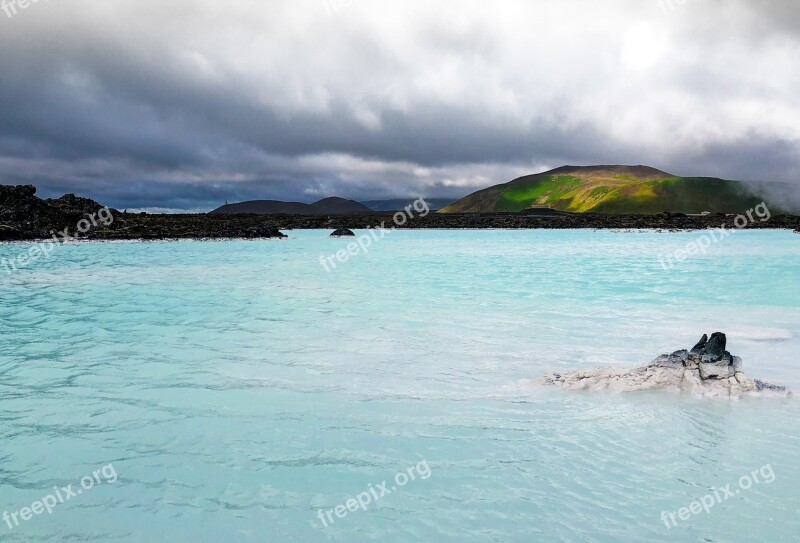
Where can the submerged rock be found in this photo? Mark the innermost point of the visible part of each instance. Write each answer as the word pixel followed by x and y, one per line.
pixel 707 370
pixel 268 232
pixel 343 233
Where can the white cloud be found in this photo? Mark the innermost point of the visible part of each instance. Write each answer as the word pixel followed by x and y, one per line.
pixel 347 96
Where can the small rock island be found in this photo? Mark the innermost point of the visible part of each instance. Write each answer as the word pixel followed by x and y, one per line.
pixel 708 370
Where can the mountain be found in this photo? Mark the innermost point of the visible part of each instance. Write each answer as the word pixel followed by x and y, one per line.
pixel 338 206
pixel 328 206
pixel 611 190
pixel 435 204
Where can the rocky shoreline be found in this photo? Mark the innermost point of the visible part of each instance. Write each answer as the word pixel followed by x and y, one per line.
pixel 25 217
pixel 708 370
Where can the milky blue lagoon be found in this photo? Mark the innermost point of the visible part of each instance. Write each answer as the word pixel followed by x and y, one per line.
pixel 238 389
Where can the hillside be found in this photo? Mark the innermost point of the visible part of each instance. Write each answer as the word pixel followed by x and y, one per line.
pixel 398 204
pixel 611 190
pixel 328 206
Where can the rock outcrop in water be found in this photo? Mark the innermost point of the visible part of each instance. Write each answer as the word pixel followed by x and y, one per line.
pixel 264 232
pixel 343 233
pixel 708 370
pixel 24 216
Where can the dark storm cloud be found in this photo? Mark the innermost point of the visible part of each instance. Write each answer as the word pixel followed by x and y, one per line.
pixel 184 105
pixel 783 15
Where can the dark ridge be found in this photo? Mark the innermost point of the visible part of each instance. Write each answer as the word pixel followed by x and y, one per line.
pixel 340 206
pixel 637 171
pixel 328 206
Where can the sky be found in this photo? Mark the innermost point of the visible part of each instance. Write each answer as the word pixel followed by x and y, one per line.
pixel 184 104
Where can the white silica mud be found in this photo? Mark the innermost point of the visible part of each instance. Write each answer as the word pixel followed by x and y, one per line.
pixel 708 370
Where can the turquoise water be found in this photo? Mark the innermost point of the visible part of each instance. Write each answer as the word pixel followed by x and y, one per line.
pixel 238 389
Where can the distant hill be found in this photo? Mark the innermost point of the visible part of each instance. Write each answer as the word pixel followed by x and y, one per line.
pixel 328 206
pixel 435 204
pixel 338 205
pixel 611 190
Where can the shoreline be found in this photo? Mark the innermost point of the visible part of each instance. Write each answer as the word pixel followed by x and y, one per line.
pixel 325 231
pixel 146 227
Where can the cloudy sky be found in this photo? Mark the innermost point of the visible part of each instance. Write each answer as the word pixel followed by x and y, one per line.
pixel 182 104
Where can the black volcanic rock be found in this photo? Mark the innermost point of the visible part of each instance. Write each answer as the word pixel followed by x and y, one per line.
pixel 761 386
pixel 343 233
pixel 16 194
pixel 273 233
pixel 698 349
pixel 25 215
pixel 716 345
pixel 711 359
pixel 70 204
pixel 544 212
pixel 19 201
pixel 8 233
pixel 269 232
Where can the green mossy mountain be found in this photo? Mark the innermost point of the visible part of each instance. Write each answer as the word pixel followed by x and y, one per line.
pixel 611 190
